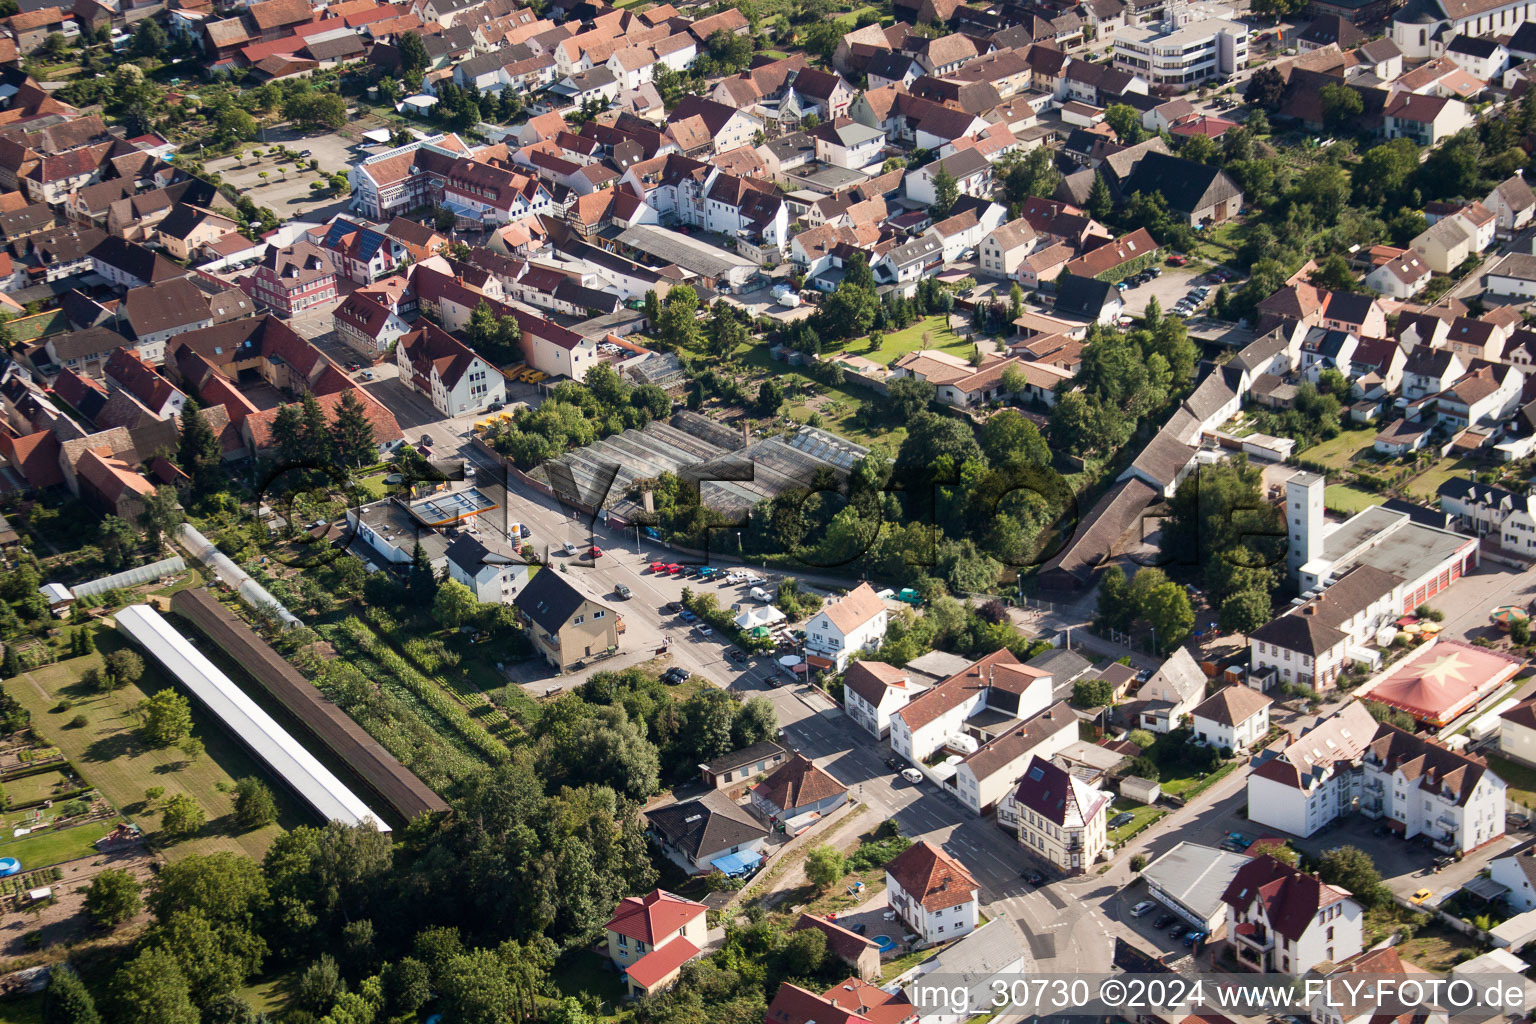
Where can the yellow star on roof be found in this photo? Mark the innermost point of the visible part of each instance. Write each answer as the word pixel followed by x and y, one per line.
pixel 1450 666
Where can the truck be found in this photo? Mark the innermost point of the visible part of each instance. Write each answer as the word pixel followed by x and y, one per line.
pixel 910 596
pixel 760 595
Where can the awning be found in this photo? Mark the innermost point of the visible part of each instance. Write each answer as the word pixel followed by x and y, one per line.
pixel 1486 888
pixel 739 863
pixel 817 661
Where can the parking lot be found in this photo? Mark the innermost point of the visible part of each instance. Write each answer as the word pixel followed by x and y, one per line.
pixel 1168 288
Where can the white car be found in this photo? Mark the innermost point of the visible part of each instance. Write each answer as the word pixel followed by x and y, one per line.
pixel 912 775
pixel 567 550
pixel 1144 907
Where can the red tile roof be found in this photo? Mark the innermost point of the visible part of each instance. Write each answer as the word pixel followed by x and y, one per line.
pixel 653 917
pixel 651 969
pixel 932 877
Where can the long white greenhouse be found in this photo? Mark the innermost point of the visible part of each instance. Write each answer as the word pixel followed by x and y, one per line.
pixel 269 741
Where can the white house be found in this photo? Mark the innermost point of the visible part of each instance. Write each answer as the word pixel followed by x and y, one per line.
pixel 986 777
pixel 936 897
pixel 942 717
pixel 1515 871
pixel 873 691
pixel 1310 645
pixel 1059 817
pixel 1512 203
pixel 971 171
pixel 492 571
pixel 1234 718
pixel 1401 277
pixel 1172 692
pixel 1281 919
pixel 447 371
pixel 845 626
pixel 1348 760
pixel 1517 732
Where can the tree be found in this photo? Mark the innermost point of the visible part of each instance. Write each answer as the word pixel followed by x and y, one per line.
pixel 825 866
pixel 149 39
pixel 1334 274
pixel 164 717
pixel 352 434
pixel 1266 87
pixel 1100 202
pixel 316 109
pixel 946 192
pixel 756 722
pixel 123 667
pixel 182 816
pixel 152 989
pixel 1009 439
pixel 1351 868
pixel 848 312
pixel 476 989
pixel 320 985
pixel 413 53
pixel 726 333
pixel 1126 121
pixel 1092 693
pixel 407 984
pixel 198 452
pixel 66 1000
pixel 1032 174
pixel 1276 848
pixel 112 898
pixel 161 514
pixel 678 323
pixel 454 604
pixel 1341 105
pixel 421 583
pixel 254 804
pixel 1169 614
pixel 1244 611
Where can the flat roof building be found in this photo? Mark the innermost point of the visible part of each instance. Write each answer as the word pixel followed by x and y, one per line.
pixel 1189 880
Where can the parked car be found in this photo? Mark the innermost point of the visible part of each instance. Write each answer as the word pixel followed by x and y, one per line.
pixel 1193 937
pixel 1177 932
pixel 1123 818
pixel 1421 897
pixel 1143 908
pixel 705 630
pixel 912 775
pixel 1164 921
pixel 1516 821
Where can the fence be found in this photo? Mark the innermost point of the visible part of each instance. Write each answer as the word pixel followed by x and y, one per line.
pixel 130 577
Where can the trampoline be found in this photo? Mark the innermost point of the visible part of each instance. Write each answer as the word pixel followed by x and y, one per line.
pixel 450 507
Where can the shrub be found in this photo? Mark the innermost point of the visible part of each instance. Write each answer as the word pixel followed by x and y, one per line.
pixel 78 722
pixel 1138 862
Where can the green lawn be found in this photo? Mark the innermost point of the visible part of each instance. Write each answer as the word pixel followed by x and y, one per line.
pixel 1427 484
pixel 22 1009
pixel 582 972
pixel 1520 781
pixel 109 755
pixel 34 788
pixel 55 847
pixel 1339 452
pixel 1193 785
pixel 910 339
pixel 1349 500
pixel 1142 815
pixel 851 18
pixel 1219 245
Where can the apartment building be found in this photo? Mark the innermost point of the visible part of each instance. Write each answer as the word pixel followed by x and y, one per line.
pixel 1183 55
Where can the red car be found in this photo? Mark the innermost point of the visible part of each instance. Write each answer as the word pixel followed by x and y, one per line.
pixel 658 567
pixel 673 568
pixel 1176 260
pixel 596 551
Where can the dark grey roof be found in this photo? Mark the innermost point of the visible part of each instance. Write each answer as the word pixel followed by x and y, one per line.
pixel 1298 631
pixel 1063 665
pixel 699 829
pixel 1083 296
pixel 1186 185
pixel 550 599
pixel 1473 46
pixel 890 64
pixel 1330 28
pixel 745 756
pixel 1350 307
pixel 1523 42
pixel 470 553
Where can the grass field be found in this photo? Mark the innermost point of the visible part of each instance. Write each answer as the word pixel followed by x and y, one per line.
pixel 55 847
pixel 1142 815
pixel 910 339
pixel 22 1009
pixel 1427 484
pixel 109 755
pixel 34 788
pixel 1519 780
pixel 1347 499
pixel 1339 452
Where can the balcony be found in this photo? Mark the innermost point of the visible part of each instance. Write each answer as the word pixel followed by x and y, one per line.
pixel 1254 937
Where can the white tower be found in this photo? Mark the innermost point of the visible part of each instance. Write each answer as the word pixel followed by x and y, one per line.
pixel 1303 520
